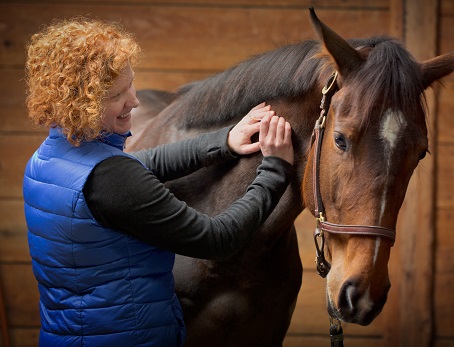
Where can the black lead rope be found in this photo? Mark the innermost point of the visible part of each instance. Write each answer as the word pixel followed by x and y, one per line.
pixel 336 333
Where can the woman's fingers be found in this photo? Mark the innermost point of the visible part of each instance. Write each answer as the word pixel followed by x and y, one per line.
pixel 257 114
pixel 275 138
pixel 239 139
pixel 274 134
pixel 264 128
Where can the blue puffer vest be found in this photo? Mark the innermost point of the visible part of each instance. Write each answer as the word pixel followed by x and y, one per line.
pixel 98 287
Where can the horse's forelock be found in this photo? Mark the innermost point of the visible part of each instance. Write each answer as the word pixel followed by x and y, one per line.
pixel 390 78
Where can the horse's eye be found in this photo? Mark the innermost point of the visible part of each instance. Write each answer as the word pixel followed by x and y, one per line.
pixel 423 154
pixel 339 139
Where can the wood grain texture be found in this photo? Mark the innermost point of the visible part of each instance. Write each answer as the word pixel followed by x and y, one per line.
pixel 190 38
pixel 410 322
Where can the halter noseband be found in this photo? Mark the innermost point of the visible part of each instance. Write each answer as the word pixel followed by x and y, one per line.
pixel 322 226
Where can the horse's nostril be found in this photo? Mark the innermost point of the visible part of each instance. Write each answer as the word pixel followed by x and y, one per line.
pixel 356 305
pixel 348 298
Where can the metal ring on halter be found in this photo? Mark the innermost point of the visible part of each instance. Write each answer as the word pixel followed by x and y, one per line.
pixel 327 88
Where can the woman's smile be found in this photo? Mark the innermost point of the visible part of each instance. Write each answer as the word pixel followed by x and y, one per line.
pixel 121 99
pixel 125 116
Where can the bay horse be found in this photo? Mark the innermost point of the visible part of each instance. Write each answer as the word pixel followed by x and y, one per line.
pixel 351 170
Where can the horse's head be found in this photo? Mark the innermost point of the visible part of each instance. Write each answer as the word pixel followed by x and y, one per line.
pixel 374 137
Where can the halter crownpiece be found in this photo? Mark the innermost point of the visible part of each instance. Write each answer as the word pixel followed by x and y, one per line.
pixel 322 226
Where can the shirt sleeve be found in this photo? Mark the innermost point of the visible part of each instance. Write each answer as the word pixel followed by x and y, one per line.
pixel 178 159
pixel 125 196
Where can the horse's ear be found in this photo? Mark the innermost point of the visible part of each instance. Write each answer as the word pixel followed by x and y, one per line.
pixel 345 56
pixel 436 68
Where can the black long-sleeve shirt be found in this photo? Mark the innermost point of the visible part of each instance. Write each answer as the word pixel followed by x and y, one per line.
pixel 124 195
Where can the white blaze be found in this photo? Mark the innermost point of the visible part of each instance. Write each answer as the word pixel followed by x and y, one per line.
pixel 392 125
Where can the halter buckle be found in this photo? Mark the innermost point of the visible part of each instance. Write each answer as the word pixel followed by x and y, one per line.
pixel 320 219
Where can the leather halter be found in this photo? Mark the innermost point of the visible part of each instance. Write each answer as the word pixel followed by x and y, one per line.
pixel 322 225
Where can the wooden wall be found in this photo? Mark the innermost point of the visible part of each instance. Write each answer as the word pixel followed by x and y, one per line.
pixel 184 40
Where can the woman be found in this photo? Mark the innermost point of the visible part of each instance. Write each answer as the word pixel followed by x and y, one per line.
pixel 103 229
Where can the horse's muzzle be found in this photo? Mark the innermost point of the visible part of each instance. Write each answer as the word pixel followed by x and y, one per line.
pixel 356 305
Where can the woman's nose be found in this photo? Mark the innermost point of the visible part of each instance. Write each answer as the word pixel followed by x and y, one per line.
pixel 132 100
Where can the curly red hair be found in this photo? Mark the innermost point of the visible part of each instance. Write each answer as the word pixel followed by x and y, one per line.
pixel 69 68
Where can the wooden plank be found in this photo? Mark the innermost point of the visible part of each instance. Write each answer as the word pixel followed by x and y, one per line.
pixel 305 224
pixel 15 150
pixel 447 8
pixel 191 38
pixel 446 35
pixel 444 342
pixel 310 314
pixel 445 169
pixel 409 320
pixel 21 295
pixel 444 257
pixel 24 337
pixel 444 304
pixel 444 244
pixel 417 222
pixel 170 81
pixel 12 101
pixel 231 3
pixel 4 327
pixel 13 232
pixel 445 133
pixel 397 20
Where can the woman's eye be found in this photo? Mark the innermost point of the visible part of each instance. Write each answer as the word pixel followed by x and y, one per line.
pixel 116 96
pixel 340 142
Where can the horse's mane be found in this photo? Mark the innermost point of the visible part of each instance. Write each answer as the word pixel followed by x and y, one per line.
pixel 390 73
pixel 285 72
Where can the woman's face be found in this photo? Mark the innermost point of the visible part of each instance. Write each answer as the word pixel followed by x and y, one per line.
pixel 121 99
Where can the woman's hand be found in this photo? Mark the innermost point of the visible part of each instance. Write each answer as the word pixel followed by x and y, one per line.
pixel 239 139
pixel 276 138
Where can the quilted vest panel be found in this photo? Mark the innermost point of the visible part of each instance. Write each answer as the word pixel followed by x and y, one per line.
pixel 98 287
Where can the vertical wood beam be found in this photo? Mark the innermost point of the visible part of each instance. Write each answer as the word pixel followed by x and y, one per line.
pixel 410 320
pixel 4 326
